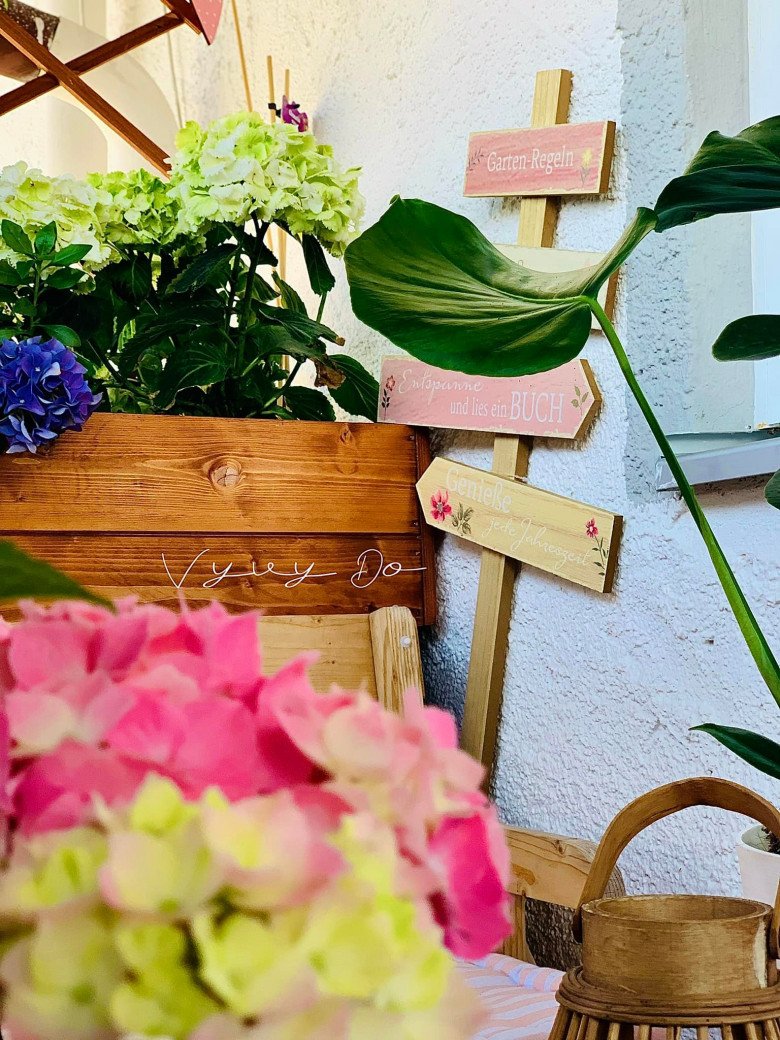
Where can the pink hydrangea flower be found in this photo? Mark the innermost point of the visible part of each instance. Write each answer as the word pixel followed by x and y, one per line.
pixel 96 702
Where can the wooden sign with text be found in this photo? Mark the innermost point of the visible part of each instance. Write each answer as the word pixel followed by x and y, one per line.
pixel 566 159
pixel 566 538
pixel 561 403
pixel 290 518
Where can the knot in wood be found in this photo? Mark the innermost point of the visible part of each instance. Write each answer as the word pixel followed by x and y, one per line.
pixel 225 474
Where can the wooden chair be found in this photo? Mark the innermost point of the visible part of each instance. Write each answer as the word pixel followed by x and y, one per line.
pixel 380 652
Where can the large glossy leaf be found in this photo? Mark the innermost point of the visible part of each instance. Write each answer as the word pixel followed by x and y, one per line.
pixel 320 276
pixel 759 751
pixel 772 491
pixel 22 576
pixel 727 175
pixel 432 283
pixel 753 338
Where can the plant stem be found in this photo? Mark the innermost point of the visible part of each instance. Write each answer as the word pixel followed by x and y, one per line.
pixel 754 637
pixel 321 307
pixel 246 307
pixel 286 385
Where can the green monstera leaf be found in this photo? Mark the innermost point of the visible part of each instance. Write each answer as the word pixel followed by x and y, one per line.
pixel 727 175
pixel 430 281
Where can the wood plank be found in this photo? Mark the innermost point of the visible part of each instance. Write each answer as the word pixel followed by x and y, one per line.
pixel 343 641
pixel 562 261
pixel 149 474
pixel 548 867
pixel 561 403
pixel 362 570
pixel 566 159
pixel 484 691
pixel 572 540
pixel 72 82
pixel 93 59
pixel 397 661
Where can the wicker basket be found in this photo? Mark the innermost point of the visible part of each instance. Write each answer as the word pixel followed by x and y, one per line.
pixel 672 961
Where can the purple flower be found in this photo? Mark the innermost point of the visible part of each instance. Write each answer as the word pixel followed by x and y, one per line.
pixel 42 393
pixel 291 113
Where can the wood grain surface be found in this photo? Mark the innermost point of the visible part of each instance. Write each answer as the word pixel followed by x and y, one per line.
pixel 230 509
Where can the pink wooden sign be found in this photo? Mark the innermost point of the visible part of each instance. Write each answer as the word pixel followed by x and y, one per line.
pixel 568 159
pixel 209 13
pixel 561 403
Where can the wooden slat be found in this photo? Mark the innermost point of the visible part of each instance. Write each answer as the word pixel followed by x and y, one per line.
pixel 72 82
pixel 397 661
pixel 93 59
pixel 164 474
pixel 344 643
pixel 119 565
pixel 484 691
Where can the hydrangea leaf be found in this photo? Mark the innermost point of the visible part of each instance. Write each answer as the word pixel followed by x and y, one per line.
pixel 727 175
pixel 359 393
pixel 432 283
pixel 22 576
pixel 753 338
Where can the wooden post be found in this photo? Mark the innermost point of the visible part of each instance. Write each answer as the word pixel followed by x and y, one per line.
pixel 538 219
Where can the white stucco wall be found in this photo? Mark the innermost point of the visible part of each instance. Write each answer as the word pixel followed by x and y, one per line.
pixel 600 691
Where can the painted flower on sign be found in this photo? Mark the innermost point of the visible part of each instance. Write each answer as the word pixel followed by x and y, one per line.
pixel 440 506
pixel 591 530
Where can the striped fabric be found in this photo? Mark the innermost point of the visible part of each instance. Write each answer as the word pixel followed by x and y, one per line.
pixel 519 997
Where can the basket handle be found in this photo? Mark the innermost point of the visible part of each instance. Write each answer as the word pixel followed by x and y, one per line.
pixel 663 801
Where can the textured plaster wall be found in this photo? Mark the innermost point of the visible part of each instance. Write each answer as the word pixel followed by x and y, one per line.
pixel 600 691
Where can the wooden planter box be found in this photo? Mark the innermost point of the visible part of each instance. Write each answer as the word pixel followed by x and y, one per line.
pixel 290 517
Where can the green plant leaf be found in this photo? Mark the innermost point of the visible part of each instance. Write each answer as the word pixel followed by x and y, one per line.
pixel 64 278
pixel 321 277
pixel 433 284
pixel 758 751
pixel 16 238
pixel 46 240
pixel 68 337
pixel 290 298
pixel 199 363
pixel 202 268
pixel 753 338
pixel 359 393
pixel 70 255
pixel 307 403
pixel 772 491
pixel 23 576
pixel 302 328
pixel 131 278
pixel 727 175
pixel 9 275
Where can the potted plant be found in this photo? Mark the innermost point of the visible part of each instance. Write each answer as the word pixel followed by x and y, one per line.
pixel 167 292
pixel 432 283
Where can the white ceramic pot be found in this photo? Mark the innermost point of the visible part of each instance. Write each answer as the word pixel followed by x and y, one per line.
pixel 760 869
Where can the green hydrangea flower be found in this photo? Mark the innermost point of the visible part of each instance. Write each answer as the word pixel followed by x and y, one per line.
pixel 241 166
pixel 32 199
pixel 134 208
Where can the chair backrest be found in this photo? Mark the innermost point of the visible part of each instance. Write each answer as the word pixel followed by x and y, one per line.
pixel 379 652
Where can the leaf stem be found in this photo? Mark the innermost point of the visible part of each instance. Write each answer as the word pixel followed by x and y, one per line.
pixel 754 637
pixel 285 386
pixel 254 260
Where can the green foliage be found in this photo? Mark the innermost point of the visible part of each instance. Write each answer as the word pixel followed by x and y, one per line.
pixel 168 328
pixel 429 281
pixel 23 576
pixel 754 338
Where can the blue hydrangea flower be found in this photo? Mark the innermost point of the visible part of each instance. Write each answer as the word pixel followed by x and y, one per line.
pixel 43 392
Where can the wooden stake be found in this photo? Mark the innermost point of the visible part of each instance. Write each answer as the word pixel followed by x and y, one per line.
pixel 269 61
pixel 242 58
pixel 538 218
